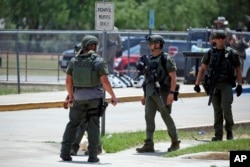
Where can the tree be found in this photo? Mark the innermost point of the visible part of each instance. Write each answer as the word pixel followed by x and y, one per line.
pixel 236 13
pixel 170 15
pixel 47 14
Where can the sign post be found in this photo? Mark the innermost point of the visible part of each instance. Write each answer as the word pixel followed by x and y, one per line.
pixel 151 21
pixel 104 21
pixel 104 16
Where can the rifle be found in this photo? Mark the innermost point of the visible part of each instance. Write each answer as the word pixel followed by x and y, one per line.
pixel 213 78
pixel 157 85
pixel 151 68
pixel 153 74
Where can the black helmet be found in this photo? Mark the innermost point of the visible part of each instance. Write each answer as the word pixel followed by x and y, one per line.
pixel 89 39
pixel 155 38
pixel 77 47
pixel 219 34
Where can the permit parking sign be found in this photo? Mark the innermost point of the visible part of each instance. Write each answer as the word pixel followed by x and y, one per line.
pixel 104 16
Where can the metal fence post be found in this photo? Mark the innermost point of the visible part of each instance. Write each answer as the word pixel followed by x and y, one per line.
pixel 17 64
pixel 104 55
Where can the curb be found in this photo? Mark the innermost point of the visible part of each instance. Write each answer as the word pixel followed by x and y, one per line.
pixel 59 104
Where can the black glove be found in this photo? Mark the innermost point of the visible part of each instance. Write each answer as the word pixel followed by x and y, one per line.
pixel 197 88
pixel 238 90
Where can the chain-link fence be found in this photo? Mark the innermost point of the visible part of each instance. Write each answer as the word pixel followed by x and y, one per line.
pixel 37 56
pixel 34 56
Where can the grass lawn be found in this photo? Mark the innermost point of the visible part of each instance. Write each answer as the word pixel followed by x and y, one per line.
pixel 119 141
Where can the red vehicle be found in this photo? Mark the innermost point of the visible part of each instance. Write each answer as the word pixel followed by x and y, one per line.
pixel 126 64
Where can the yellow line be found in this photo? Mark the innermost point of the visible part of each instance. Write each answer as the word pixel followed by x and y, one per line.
pixel 58 104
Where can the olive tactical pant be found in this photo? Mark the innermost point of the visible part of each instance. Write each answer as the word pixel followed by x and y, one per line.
pixel 222 103
pixel 83 110
pixel 152 104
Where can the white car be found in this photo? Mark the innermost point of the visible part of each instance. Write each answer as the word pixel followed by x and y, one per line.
pixel 246 66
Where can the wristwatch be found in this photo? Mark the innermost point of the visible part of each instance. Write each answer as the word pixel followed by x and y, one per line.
pixel 172 92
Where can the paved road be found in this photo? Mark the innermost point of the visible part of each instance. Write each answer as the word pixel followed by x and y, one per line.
pixel 32 137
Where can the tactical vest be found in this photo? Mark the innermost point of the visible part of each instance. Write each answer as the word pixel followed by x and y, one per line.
pixel 159 64
pixel 85 70
pixel 221 65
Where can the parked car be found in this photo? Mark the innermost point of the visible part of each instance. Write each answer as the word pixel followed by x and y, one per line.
pixel 246 66
pixel 174 48
pixel 126 64
pixel 65 58
pixel 132 41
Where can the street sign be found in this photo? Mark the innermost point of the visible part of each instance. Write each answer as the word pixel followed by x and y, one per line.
pixel 151 19
pixel 104 16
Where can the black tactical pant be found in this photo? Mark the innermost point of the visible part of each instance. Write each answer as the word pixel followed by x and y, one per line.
pixel 83 110
pixel 79 135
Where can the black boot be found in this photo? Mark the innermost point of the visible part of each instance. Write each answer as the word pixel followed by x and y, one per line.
pixel 93 159
pixel 66 157
pixel 216 138
pixel 147 147
pixel 175 145
pixel 230 135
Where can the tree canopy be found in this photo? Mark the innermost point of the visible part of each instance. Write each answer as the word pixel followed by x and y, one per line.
pixel 177 15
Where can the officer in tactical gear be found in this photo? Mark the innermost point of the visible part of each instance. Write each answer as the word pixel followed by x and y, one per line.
pixel 159 87
pixel 87 76
pixel 114 47
pixel 83 126
pixel 222 64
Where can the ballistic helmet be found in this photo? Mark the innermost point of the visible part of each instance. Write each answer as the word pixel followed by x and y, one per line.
pixel 219 34
pixel 89 39
pixel 155 38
